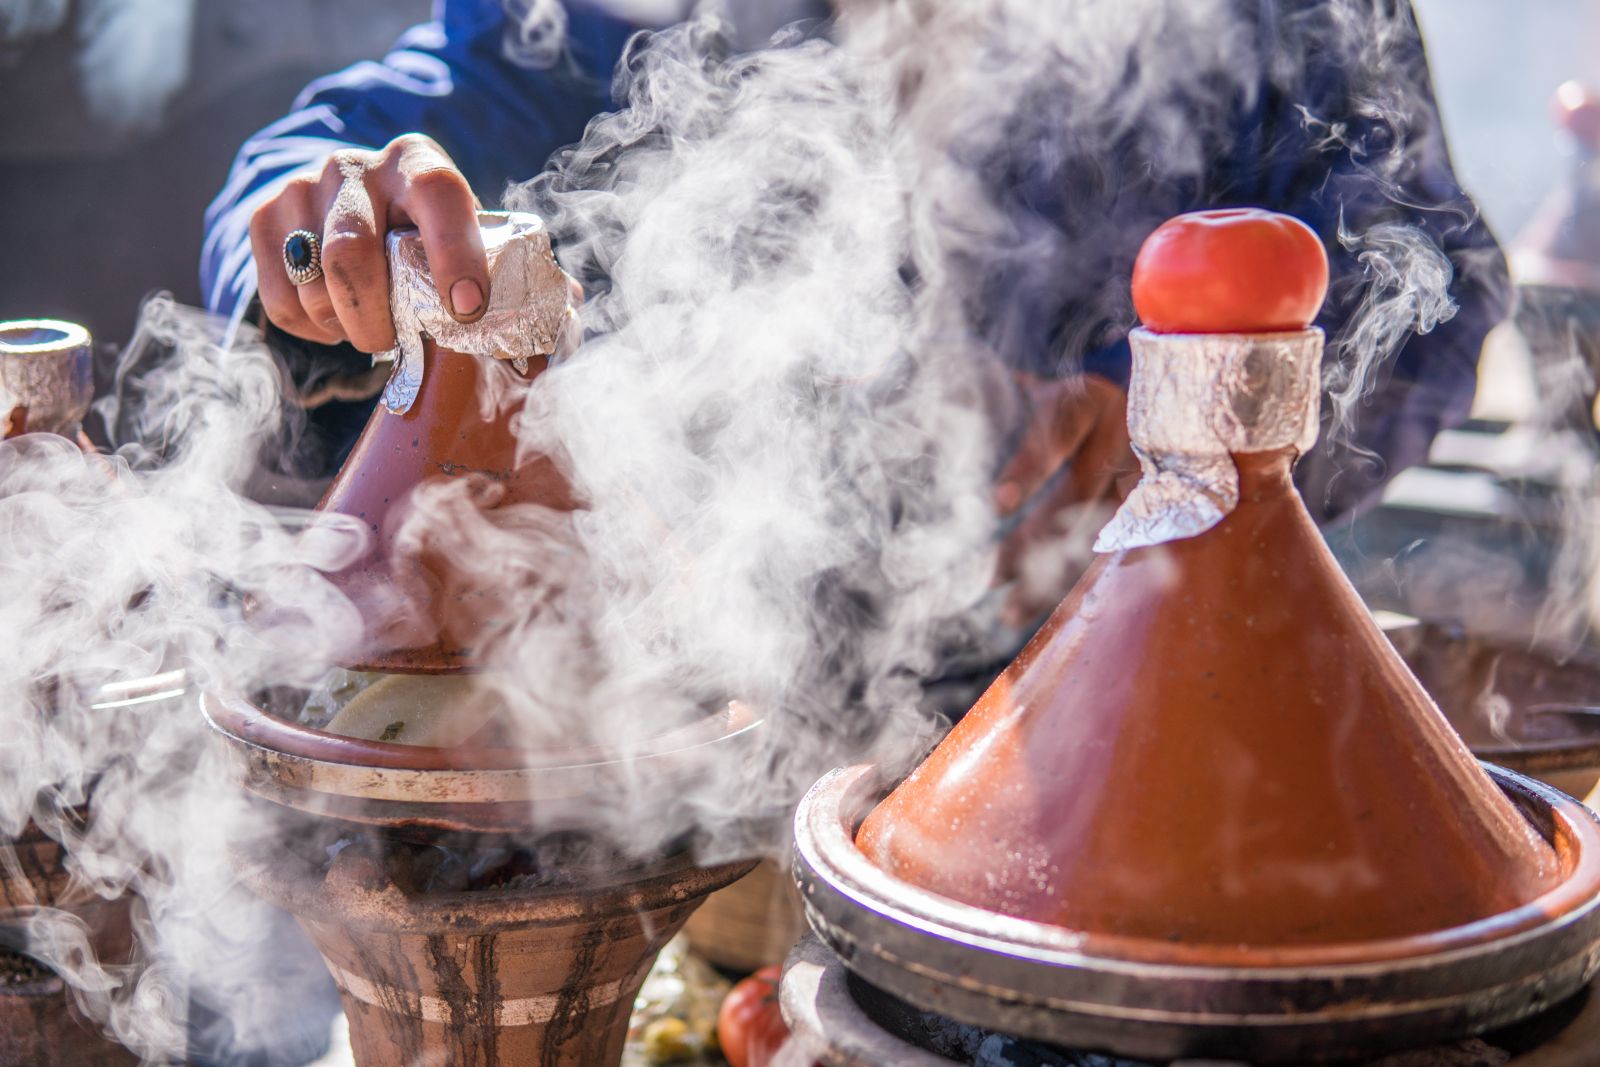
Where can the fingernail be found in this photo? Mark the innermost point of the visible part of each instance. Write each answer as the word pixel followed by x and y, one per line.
pixel 465 297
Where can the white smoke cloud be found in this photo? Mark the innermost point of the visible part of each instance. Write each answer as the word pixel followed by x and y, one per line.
pixel 134 58
pixel 119 567
pixel 804 268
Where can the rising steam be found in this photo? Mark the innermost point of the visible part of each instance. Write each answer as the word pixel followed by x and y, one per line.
pixel 118 568
pixel 812 271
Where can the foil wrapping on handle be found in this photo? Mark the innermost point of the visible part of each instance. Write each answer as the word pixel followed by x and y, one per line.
pixel 46 377
pixel 1194 400
pixel 530 302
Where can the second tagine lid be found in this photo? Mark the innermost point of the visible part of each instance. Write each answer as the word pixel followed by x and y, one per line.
pixel 440 454
pixel 1210 742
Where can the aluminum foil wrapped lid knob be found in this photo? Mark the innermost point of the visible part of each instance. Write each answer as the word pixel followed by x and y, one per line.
pixel 1226 363
pixel 530 302
pixel 45 377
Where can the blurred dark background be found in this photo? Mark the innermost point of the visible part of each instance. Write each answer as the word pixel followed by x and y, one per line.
pixel 118 122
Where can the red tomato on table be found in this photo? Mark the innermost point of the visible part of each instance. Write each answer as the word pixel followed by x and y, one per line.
pixel 1242 270
pixel 750 1026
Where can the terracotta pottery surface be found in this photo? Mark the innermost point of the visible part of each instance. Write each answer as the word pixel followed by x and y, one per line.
pixel 431 610
pixel 41 1027
pixel 493 978
pixel 1211 743
pixel 39 1023
pixel 33 871
pixel 34 875
pixel 1152 999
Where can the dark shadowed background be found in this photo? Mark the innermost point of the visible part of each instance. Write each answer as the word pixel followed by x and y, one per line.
pixel 93 214
pixel 102 185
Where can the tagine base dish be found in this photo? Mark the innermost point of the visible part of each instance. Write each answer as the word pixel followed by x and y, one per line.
pixel 486 790
pixel 1161 1001
pixel 840 1021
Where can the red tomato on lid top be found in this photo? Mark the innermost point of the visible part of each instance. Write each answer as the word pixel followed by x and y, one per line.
pixel 1242 270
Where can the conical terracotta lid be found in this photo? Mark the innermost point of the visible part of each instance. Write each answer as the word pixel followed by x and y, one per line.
pixel 1210 742
pixel 1560 246
pixel 440 451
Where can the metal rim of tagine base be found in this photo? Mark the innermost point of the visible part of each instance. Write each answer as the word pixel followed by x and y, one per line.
pixel 491 790
pixel 1127 996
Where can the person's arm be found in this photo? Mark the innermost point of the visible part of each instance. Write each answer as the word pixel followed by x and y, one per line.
pixel 1357 149
pixel 1351 143
pixel 451 80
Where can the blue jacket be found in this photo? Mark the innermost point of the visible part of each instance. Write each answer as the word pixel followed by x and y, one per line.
pixel 454 80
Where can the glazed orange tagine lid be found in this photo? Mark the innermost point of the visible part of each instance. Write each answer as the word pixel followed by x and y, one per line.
pixel 1210 743
pixel 440 456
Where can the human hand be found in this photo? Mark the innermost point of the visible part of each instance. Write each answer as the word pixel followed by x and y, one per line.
pixel 351 201
pixel 1080 424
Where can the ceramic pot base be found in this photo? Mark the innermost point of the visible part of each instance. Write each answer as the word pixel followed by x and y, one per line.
pixel 837 1021
pixel 1150 1001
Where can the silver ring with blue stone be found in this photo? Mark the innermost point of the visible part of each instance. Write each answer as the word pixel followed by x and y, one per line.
pixel 302 257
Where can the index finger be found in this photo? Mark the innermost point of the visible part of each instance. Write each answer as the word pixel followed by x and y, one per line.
pixel 1064 414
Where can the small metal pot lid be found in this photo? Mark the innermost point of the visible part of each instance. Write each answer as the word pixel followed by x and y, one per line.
pixel 1148 999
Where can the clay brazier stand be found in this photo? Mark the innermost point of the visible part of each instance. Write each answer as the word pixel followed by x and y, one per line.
pixel 494 977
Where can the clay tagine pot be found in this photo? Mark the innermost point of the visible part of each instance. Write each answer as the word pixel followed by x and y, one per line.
pixel 449 416
pixel 1280 777
pixel 45 377
pixel 1209 783
pixel 426 759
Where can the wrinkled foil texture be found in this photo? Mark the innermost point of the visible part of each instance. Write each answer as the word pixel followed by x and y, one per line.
pixel 45 370
pixel 1196 398
pixel 530 303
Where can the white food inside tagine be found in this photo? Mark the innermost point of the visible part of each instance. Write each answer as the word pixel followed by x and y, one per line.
pixel 410 709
